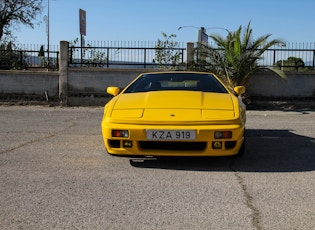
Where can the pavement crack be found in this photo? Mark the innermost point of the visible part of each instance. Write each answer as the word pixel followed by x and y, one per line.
pixel 249 199
pixel 27 143
pixel 49 135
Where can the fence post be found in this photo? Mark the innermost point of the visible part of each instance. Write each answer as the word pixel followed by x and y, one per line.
pixel 190 53
pixel 145 57
pixel 63 72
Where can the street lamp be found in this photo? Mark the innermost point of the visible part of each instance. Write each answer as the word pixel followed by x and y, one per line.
pixel 181 27
pixel 47 19
pixel 220 28
pixel 48 35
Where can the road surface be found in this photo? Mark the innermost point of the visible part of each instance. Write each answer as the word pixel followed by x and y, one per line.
pixel 56 174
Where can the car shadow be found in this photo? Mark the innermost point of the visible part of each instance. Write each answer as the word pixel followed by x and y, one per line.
pixel 266 151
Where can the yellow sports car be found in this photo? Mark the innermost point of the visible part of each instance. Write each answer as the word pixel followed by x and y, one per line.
pixel 174 114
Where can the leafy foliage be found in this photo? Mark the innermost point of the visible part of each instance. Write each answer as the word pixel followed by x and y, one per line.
pixel 17 11
pixel 166 51
pixel 10 58
pixel 235 57
pixel 291 64
pixel 90 56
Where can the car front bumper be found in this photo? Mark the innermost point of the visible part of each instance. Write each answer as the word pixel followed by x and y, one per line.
pixel 137 144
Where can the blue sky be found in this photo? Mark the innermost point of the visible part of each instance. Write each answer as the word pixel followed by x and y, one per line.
pixel 145 20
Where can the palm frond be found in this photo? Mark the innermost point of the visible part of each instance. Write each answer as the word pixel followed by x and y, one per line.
pixel 236 56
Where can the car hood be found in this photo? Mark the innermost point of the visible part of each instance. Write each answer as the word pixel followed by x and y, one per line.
pixel 173 105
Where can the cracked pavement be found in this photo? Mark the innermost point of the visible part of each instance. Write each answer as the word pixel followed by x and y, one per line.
pixel 55 174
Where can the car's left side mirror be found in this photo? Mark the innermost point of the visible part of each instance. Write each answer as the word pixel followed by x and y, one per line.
pixel 239 90
pixel 113 90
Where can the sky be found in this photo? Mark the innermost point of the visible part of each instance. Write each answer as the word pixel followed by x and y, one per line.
pixel 145 20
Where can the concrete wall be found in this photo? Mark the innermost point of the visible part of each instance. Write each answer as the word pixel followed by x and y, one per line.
pixel 96 80
pixel 29 82
pixel 87 86
pixel 267 84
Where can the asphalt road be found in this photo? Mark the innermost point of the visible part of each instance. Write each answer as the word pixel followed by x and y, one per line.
pixel 55 174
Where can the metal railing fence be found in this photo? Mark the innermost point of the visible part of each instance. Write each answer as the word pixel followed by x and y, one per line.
pixel 29 57
pixel 122 57
pixel 272 56
pixel 145 57
pixel 279 55
pixel 125 54
pixel 136 55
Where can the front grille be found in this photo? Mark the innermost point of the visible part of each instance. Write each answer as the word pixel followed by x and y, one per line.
pixel 173 145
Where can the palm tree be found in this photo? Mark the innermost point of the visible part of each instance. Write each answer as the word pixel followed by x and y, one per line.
pixel 235 57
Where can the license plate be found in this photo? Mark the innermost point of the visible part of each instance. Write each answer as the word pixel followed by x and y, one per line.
pixel 171 135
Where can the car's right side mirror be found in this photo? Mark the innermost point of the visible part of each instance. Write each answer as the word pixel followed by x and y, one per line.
pixel 239 90
pixel 113 90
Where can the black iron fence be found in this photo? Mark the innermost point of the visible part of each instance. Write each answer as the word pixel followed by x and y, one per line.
pixel 141 55
pixel 292 56
pixel 122 54
pixel 282 56
pixel 124 57
pixel 29 57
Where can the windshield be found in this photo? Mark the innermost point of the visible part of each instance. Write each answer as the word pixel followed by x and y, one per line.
pixel 176 81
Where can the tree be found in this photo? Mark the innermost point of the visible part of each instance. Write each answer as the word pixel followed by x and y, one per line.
pixel 14 12
pixel 10 58
pixel 166 50
pixel 235 57
pixel 291 64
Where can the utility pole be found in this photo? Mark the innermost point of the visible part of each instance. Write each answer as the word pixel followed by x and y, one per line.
pixel 48 55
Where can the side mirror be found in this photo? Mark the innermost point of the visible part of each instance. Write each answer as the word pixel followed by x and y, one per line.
pixel 113 90
pixel 239 90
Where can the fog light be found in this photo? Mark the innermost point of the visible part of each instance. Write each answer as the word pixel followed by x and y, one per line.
pixel 217 145
pixel 127 144
pixel 223 134
pixel 120 133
